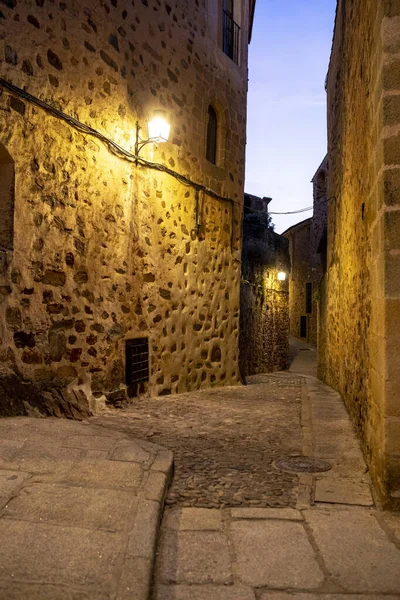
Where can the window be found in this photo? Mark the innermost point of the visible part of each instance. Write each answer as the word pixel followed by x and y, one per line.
pixel 230 32
pixel 212 132
pixel 6 200
pixel 309 298
pixel 303 327
pixel 137 361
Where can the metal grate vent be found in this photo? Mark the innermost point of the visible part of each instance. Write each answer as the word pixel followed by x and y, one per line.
pixel 137 361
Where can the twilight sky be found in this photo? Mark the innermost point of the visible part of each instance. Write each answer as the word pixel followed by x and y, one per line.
pixel 286 135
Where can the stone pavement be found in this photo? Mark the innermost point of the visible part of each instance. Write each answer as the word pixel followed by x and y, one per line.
pixel 79 511
pixel 80 503
pixel 333 544
pixel 325 551
pixel 224 440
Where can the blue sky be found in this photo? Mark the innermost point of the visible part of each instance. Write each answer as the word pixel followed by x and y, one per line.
pixel 286 135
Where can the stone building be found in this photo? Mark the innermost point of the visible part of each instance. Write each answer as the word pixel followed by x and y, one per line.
pixel 264 308
pixel 359 344
pixel 120 274
pixel 307 249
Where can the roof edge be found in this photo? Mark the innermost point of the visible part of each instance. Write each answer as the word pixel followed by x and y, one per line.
pixel 322 166
pixel 296 225
pixel 251 22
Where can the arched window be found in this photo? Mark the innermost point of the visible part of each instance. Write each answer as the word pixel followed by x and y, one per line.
pixel 6 200
pixel 212 133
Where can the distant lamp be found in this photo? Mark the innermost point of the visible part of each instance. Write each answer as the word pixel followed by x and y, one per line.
pixel 158 128
pixel 281 276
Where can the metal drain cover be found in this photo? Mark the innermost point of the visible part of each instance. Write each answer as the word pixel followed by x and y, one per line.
pixel 302 464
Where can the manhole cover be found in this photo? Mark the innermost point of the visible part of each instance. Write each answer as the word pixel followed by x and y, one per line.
pixel 302 464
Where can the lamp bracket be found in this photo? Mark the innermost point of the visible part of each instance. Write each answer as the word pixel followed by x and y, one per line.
pixel 140 143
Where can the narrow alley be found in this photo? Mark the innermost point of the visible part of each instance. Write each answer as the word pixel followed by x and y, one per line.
pixel 329 538
pixel 199 300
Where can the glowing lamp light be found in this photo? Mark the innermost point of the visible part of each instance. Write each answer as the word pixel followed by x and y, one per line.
pixel 159 128
pixel 281 276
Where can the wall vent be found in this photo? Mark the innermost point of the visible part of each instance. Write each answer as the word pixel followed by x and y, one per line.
pixel 137 361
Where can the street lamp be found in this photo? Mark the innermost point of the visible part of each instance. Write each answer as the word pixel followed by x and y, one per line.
pixel 158 128
pixel 281 276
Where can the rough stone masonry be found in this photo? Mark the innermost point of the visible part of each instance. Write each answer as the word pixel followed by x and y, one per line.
pixel 96 250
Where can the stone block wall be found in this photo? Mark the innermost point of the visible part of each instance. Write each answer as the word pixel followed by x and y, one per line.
pixel 101 250
pixel 359 341
pixel 264 306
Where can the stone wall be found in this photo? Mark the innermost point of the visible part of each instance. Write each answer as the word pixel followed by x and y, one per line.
pixel 307 249
pixel 264 309
pixel 299 237
pixel 104 250
pixel 359 345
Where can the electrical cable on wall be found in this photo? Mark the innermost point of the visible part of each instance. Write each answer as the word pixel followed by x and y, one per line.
pixel 113 146
pixel 125 154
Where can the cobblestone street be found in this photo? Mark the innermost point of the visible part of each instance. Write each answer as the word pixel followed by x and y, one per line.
pixel 225 441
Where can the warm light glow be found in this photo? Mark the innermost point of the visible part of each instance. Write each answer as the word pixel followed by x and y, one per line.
pixel 159 128
pixel 281 276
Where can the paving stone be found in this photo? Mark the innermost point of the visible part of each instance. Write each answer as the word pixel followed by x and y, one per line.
pixel 8 449
pixel 266 513
pixel 204 592
pixel 10 481
pixel 94 442
pixel 107 473
pixel 163 461
pixel 155 486
pixel 130 452
pixel 67 556
pixel 96 455
pixel 93 507
pixel 356 550
pixel 194 557
pixel 36 457
pixel 193 519
pixel 270 595
pixel 18 591
pixel 146 520
pixel 135 579
pixel 343 491
pixel 275 554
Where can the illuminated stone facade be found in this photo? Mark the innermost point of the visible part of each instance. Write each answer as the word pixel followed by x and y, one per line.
pixel 359 344
pixel 264 305
pixel 307 248
pixel 95 249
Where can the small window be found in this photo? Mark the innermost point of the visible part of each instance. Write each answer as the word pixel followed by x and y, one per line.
pixel 309 298
pixel 303 327
pixel 230 32
pixel 137 361
pixel 212 131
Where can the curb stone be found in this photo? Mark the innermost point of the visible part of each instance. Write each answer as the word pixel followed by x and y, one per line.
pixel 138 568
